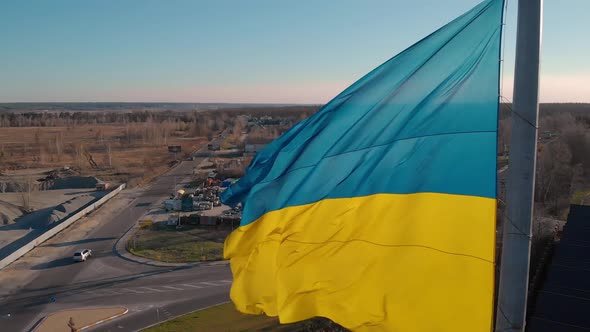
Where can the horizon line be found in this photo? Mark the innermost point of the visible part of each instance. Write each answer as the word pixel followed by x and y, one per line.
pixel 221 103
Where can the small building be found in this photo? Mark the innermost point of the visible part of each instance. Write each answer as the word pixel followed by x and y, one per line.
pixel 231 164
pixel 227 182
pixel 172 221
pixel 172 205
pixel 208 220
pixel 255 144
pixel 174 148
pixel 186 204
pixel 102 186
pixel 254 148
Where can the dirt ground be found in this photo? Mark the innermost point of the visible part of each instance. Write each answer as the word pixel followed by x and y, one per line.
pixel 130 153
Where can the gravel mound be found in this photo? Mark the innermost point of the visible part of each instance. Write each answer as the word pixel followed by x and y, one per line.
pixel 65 209
pixel 9 212
pixel 47 216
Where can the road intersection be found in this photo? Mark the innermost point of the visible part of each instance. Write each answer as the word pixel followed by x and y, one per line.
pixel 152 293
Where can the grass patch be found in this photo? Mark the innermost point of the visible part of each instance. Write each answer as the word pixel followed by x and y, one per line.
pixel 581 197
pixel 191 244
pixel 225 318
pixel 220 318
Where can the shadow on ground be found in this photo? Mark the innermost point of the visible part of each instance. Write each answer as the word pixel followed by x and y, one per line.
pixel 54 263
pixel 71 243
pixel 157 212
pixel 41 296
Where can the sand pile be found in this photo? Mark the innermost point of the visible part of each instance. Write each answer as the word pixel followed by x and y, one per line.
pixel 9 212
pixel 67 208
pixel 43 217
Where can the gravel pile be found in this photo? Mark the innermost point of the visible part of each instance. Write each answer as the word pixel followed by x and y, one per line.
pixel 65 209
pixel 9 212
pixel 46 216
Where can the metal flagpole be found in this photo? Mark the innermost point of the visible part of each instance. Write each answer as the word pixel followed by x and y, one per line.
pixel 516 241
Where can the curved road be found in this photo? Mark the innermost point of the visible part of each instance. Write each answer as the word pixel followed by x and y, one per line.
pixel 151 293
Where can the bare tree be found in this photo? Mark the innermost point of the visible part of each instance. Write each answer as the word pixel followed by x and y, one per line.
pixel 99 137
pixel 554 176
pixel 79 154
pixel 25 192
pixel 110 155
pixel 37 136
pixel 504 133
pixel 59 145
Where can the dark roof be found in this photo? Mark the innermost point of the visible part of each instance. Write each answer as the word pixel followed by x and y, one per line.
pixel 563 302
pixel 258 140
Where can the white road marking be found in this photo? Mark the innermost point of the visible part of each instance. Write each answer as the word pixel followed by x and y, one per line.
pixel 97 267
pixel 132 290
pixel 143 307
pixel 102 292
pixel 157 289
pixel 166 312
pixel 152 289
pixel 193 286
pixel 91 293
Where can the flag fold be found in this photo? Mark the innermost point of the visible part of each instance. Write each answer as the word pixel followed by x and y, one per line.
pixel 378 211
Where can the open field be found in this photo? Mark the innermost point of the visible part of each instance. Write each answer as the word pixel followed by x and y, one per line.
pixel 190 244
pixel 132 153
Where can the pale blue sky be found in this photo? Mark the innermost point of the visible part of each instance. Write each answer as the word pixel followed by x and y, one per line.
pixel 266 51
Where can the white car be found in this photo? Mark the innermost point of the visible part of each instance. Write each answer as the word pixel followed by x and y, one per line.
pixel 82 254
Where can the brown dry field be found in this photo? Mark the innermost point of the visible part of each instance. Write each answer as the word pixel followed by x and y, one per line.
pixel 138 151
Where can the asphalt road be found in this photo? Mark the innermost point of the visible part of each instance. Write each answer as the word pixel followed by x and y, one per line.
pixel 151 293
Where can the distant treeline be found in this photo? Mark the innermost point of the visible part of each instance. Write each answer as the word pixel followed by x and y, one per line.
pixel 68 118
pixel 126 107
pixel 550 109
pixel 59 114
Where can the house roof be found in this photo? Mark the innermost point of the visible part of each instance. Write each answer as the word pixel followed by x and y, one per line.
pixel 563 302
pixel 258 140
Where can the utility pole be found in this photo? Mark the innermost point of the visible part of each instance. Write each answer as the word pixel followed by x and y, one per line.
pixel 516 241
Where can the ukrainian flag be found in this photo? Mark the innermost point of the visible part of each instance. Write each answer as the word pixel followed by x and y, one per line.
pixel 378 212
